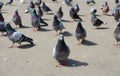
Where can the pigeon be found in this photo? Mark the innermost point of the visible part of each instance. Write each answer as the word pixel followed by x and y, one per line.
pixel 61 52
pixel 1 17
pixel 45 8
pixel 57 25
pixel 35 21
pixel 38 2
pixel 17 19
pixel 105 7
pixel 80 33
pixel 16 37
pixel 69 2
pixel 117 35
pixel 59 13
pixel 116 1
pixel 1 5
pixel 2 27
pixel 39 11
pixel 116 14
pixel 74 14
pixel 96 21
pixel 9 2
pixel 76 8
pixel 90 1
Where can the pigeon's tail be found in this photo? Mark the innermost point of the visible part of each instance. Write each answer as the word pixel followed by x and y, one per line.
pixel 80 19
pixel 27 39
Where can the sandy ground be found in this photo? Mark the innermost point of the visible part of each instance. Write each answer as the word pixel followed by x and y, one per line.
pixel 100 58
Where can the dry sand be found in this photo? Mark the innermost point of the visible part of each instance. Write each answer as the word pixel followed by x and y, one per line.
pixel 100 59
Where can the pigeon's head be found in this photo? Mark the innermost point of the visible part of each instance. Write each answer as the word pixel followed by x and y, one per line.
pixel 8 27
pixel 60 8
pixel 39 7
pixel 106 3
pixel 61 40
pixel 61 37
pixel 93 10
pixel 55 17
pixel 73 9
pixel 43 3
pixel 16 11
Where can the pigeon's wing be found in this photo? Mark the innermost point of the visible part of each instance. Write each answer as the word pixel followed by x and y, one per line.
pixel 15 36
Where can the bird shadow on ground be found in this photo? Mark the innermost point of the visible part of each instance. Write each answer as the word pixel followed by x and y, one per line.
pixel 25 27
pixel 44 30
pixel 88 43
pixel 98 15
pixel 108 14
pixel 50 14
pixel 67 34
pixel 12 5
pixel 26 46
pixel 103 28
pixel 63 20
pixel 4 12
pixel 47 19
pixel 81 15
pixel 75 63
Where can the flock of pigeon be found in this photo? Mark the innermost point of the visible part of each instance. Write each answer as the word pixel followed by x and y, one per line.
pixel 61 51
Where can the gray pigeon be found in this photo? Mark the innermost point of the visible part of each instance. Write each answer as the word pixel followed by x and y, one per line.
pixel 17 19
pixel 9 2
pixel 90 1
pixel 96 21
pixel 45 8
pixel 59 13
pixel 16 37
pixel 38 2
pixel 35 21
pixel 2 27
pixel 76 8
pixel 80 33
pixel 57 25
pixel 117 35
pixel 69 2
pixel 73 14
pixel 61 52
pixel 39 11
